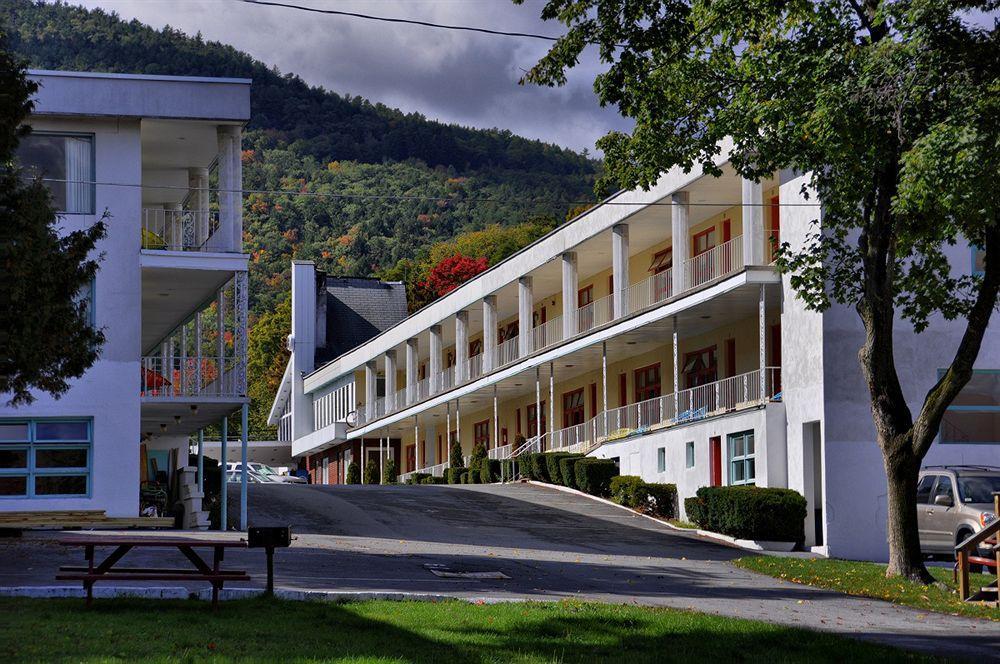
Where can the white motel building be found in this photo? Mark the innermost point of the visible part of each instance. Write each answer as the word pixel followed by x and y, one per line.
pixel 170 294
pixel 652 329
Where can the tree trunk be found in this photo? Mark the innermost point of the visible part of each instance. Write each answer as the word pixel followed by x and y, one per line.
pixel 901 470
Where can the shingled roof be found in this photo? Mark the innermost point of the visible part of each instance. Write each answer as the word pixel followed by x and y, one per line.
pixel 358 309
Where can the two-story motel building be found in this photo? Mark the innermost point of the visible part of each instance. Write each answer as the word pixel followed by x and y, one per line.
pixel 170 294
pixel 652 329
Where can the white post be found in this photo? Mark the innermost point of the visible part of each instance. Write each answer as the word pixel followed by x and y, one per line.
pixel 458 422
pixel 237 198
pixel 412 369
pixel 390 381
pixel 538 406
pixel 197 351
pixel 753 222
pixel 604 382
pixel 489 333
pixel 525 308
pixel 570 285
pixel 244 435
pixel 762 347
pixel 419 460
pixel 371 389
pixel 461 346
pixel 552 396
pixel 227 180
pixel 496 418
pixel 680 239
pixel 198 182
pixel 201 460
pixel 677 374
pixel 447 433
pixel 184 338
pixel 224 488
pixel 619 267
pixel 434 363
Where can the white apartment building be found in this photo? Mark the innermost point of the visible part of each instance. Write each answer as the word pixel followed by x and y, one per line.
pixel 161 155
pixel 652 329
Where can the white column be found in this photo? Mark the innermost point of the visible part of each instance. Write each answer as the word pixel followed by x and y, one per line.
pixel 538 404
pixel 197 350
pixel 570 286
pixel 184 344
pixel 762 347
pixel 418 450
pixel 677 374
pixel 224 485
pixel 244 425
pixel 552 397
pixel 237 183
pixel 489 332
pixel 447 431
pixel 198 182
pixel 753 222
pixel 604 382
pixel 434 364
pixel 430 444
pixel 525 307
pixel 496 418
pixel 412 369
pixel 390 381
pixel 227 181
pixel 619 267
pixel 680 234
pixel 371 389
pixel 461 346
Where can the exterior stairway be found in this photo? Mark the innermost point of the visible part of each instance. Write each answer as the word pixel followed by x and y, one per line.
pixel 194 517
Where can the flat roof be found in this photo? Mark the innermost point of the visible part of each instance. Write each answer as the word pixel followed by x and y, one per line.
pixel 137 77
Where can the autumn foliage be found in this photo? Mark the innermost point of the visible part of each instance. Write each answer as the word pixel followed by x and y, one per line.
pixel 451 272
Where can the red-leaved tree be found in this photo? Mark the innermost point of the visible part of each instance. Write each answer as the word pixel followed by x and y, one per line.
pixel 452 272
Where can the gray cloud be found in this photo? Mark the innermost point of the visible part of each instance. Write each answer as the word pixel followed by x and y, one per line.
pixel 462 77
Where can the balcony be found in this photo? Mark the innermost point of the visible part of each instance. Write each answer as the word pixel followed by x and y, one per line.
pixel 179 230
pixel 176 377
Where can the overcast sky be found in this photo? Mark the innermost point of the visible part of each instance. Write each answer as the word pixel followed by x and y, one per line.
pixel 460 77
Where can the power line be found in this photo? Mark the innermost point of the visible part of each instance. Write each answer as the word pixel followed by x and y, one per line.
pixel 414 197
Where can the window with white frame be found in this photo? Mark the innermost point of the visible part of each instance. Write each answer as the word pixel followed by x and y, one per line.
pixel 66 164
pixel 689 454
pixel 978 260
pixel 974 415
pixel 45 458
pixel 661 459
pixel 85 296
pixel 742 469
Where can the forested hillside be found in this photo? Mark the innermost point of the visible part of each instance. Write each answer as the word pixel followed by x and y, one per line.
pixel 344 154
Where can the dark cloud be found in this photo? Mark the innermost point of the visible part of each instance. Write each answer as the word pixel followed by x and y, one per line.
pixel 452 76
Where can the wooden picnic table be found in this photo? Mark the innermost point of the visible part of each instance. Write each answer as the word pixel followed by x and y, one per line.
pixel 106 570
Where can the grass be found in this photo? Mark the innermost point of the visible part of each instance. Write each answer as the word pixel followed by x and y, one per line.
pixel 868 580
pixel 680 523
pixel 55 630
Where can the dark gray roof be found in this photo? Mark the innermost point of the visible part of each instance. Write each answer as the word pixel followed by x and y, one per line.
pixel 358 309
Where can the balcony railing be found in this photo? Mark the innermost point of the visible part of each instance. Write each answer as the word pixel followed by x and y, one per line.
pixel 285 428
pixel 170 377
pixel 474 367
pixel 717 262
pixel 649 291
pixel 436 470
pixel 547 334
pixel 507 352
pixel 595 314
pixel 178 230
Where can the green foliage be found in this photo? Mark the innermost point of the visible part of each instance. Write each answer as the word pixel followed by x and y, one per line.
pixel 46 336
pixel 454 474
pixel 267 355
pixel 353 473
pixel 625 490
pixel 417 478
pixel 567 470
pixel 371 472
pixel 455 459
pixel 659 499
pixel 552 466
pixel 466 478
pixel 477 460
pixel 593 476
pixel 749 512
pixel 539 467
pixel 389 471
pixel 433 480
pixel 489 471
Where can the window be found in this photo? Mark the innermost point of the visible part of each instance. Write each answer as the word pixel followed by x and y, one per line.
pixel 85 297
pixel 661 459
pixel 924 489
pixel 532 417
pixel 978 260
pixel 573 408
pixel 943 489
pixel 703 242
pixel 662 261
pixel 689 454
pixel 45 458
pixel 585 296
pixel 475 347
pixel 701 367
pixel 508 332
pixel 647 382
pixel 974 416
pixel 67 164
pixel 481 433
pixel 741 458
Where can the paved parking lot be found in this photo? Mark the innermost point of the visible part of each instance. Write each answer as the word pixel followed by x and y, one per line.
pixel 548 544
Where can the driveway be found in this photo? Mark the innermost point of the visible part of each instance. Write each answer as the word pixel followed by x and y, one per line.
pixel 549 544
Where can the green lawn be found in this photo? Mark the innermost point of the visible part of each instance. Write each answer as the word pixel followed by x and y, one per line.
pixel 269 630
pixel 868 580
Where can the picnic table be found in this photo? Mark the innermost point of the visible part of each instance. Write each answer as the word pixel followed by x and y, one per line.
pixel 106 570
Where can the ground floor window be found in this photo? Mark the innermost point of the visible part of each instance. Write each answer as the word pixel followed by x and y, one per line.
pixel 532 417
pixel 481 433
pixel 689 454
pixel 661 459
pixel 573 408
pixel 742 468
pixel 45 457
pixel 974 415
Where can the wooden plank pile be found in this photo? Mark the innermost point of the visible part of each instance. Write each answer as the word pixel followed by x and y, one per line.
pixel 83 519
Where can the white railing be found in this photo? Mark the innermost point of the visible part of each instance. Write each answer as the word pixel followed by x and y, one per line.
pixel 649 291
pixel 168 377
pixel 474 367
pixel 501 452
pixel 530 445
pixel 507 352
pixel 569 438
pixel 446 379
pixel 285 428
pixel 436 470
pixel 423 389
pixel 546 334
pixel 717 262
pixel 595 314
pixel 178 230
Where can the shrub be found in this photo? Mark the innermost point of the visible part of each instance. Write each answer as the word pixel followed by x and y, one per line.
pixel 625 490
pixel 567 469
pixel 476 459
pixel 552 460
pixel 749 512
pixel 371 472
pixel 659 499
pixel 455 459
pixel 464 478
pixel 430 479
pixel 455 474
pixel 353 473
pixel 539 467
pixel 389 472
pixel 507 467
pixel 525 467
pixel 416 478
pixel 489 471
pixel 593 476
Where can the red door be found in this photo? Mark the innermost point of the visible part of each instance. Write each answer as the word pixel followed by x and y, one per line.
pixel 411 458
pixel 715 460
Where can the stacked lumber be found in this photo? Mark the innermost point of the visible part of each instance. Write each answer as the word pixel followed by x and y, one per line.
pixel 59 519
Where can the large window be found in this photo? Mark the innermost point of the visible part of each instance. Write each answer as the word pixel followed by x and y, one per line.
pixel 45 458
pixel 701 367
pixel 974 416
pixel 532 417
pixel 66 162
pixel 573 408
pixel 742 469
pixel 481 433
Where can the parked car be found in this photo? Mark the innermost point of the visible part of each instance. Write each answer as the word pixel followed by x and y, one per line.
pixel 267 471
pixel 235 476
pixel 954 503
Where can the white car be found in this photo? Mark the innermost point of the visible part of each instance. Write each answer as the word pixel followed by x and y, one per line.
pixel 236 476
pixel 270 474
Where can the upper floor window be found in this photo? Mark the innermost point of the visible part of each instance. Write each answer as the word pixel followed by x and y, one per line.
pixel 974 415
pixel 66 163
pixel 978 260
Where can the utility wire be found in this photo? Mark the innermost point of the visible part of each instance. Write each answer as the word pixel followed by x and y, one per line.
pixel 413 197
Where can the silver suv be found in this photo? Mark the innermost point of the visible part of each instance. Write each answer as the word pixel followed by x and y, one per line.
pixel 954 502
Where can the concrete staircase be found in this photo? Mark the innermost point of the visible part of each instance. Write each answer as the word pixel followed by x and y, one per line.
pixel 194 517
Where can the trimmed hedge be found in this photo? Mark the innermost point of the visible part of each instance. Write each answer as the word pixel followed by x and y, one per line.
pixel 552 460
pixel 567 470
pixel 489 471
pixel 416 478
pixel 539 467
pixel 353 473
pixel 433 480
pixel 660 499
pixel 465 478
pixel 389 473
pixel 454 475
pixel 749 512
pixel 625 490
pixel 371 472
pixel 593 476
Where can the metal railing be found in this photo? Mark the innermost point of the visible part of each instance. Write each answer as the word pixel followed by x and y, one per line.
pixel 178 230
pixel 595 314
pixel 436 470
pixel 474 367
pixel 168 377
pixel 507 352
pixel 285 428
pixel 719 261
pixel 547 334
pixel 649 291
pixel 501 452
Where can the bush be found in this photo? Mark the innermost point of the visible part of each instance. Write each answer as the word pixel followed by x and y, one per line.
pixel 749 512
pixel 552 460
pixel 476 459
pixel 416 478
pixel 455 474
pixel 625 490
pixel 465 478
pixel 353 473
pixel 430 479
pixel 593 476
pixel 539 467
pixel 525 467
pixel 371 472
pixel 567 470
pixel 455 459
pixel 389 471
pixel 489 471
pixel 659 499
